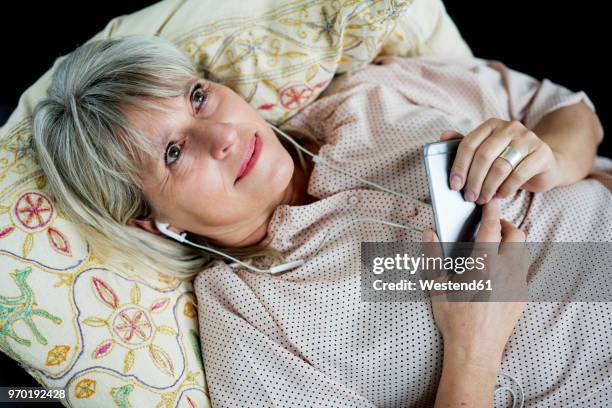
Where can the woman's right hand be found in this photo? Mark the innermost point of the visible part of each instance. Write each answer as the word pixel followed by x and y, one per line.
pixel 475 333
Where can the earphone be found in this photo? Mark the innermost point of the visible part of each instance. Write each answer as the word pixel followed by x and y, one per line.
pixel 164 229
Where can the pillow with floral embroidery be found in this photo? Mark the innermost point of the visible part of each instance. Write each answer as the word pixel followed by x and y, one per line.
pixel 107 337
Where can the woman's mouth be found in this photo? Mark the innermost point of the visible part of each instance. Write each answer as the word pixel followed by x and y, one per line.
pixel 251 156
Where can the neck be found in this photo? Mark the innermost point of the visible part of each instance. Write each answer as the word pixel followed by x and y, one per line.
pixel 298 190
pixel 295 194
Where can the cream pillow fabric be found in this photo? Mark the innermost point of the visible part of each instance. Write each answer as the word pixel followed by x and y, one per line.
pixel 270 50
pixel 124 337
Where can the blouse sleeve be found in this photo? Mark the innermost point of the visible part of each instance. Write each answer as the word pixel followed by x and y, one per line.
pixel 246 363
pixel 530 100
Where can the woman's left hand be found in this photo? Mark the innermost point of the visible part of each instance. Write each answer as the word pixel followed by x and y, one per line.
pixel 485 175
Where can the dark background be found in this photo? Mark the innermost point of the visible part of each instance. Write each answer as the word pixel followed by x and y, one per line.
pixel 543 38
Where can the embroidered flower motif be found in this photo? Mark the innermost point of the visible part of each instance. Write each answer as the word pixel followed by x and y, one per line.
pixel 295 96
pixel 85 388
pixel 326 27
pixel 57 355
pixel 131 327
pixel 33 212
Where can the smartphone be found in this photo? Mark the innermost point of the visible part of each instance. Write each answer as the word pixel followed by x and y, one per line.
pixel 456 220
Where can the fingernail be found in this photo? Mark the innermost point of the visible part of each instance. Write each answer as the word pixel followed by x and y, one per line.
pixel 427 236
pixel 456 182
pixel 470 196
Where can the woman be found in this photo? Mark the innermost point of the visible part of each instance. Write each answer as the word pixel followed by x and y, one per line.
pixel 130 135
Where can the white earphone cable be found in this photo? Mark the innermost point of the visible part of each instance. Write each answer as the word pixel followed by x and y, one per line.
pixel 319 159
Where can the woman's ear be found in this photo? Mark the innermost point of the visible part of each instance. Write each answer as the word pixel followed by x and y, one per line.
pixel 147 224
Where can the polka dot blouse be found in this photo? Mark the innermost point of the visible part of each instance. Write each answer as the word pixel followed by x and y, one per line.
pixel 305 338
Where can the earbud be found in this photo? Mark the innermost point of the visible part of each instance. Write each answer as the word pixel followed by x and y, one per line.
pixel 164 229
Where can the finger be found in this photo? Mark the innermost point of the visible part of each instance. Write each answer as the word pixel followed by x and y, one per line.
pixel 501 169
pixel 465 152
pixel 450 134
pixel 487 153
pixel 511 237
pixel 498 173
pixel 490 227
pixel 525 170
pixel 430 236
pixel 513 247
pixel 510 233
pixel 431 248
pixel 431 244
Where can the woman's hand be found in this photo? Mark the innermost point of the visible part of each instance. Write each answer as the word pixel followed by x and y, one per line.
pixel 482 329
pixel 475 333
pixel 483 175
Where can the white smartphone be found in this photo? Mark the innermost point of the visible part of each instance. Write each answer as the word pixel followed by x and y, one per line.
pixel 456 220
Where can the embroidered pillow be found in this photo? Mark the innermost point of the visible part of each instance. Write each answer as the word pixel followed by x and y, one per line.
pixel 123 337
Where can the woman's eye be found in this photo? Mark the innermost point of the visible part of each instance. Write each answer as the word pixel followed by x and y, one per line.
pixel 172 153
pixel 199 97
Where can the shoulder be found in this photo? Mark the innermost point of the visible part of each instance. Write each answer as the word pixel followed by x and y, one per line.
pixel 208 283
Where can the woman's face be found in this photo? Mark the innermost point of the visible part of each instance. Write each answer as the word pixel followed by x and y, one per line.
pixel 205 140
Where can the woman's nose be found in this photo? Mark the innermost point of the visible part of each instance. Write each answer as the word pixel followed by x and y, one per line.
pixel 222 136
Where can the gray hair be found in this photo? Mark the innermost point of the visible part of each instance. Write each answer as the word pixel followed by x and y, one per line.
pixel 92 156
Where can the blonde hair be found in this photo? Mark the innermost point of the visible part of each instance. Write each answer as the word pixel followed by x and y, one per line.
pixel 91 155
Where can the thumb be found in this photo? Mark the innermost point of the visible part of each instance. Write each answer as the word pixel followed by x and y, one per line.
pixel 450 134
pixel 432 249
